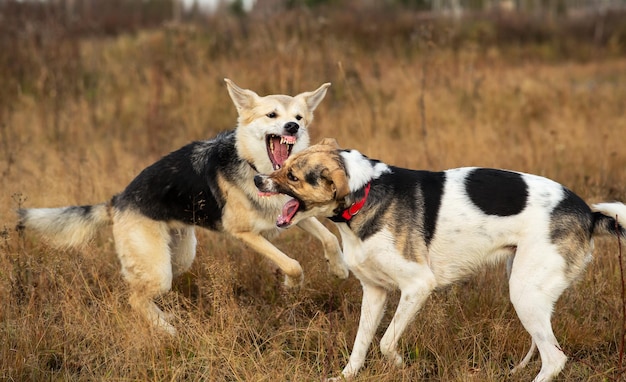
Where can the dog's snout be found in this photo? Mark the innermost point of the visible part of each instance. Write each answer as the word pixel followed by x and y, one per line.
pixel 291 127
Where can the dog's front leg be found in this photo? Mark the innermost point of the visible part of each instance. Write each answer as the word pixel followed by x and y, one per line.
pixel 372 309
pixel 290 267
pixel 332 249
pixel 412 298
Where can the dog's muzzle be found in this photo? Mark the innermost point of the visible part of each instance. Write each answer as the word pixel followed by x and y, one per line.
pixel 291 127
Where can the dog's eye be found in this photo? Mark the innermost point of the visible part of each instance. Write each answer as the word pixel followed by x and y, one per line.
pixel 298 117
pixel 271 115
pixel 292 177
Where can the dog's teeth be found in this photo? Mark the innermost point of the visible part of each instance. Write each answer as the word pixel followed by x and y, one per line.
pixel 282 140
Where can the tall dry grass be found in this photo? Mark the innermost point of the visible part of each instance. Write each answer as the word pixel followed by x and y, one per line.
pixel 87 114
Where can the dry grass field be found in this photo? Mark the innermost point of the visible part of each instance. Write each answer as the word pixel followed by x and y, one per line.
pixel 80 117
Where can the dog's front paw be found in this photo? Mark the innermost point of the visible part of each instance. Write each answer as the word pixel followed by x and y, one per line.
pixel 346 375
pixel 294 282
pixel 165 328
pixel 334 257
pixel 392 355
pixel 338 269
pixel 341 378
pixel 395 359
pixel 294 277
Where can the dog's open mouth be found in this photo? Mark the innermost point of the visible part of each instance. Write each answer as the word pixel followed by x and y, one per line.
pixel 278 148
pixel 289 211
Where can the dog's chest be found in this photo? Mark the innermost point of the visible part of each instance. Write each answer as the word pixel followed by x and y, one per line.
pixel 244 210
pixel 376 261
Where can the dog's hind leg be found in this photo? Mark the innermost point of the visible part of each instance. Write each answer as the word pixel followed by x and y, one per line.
pixel 332 249
pixel 183 247
pixel 143 247
pixel 537 280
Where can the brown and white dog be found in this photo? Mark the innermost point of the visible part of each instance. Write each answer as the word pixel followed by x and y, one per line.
pixel 209 184
pixel 420 230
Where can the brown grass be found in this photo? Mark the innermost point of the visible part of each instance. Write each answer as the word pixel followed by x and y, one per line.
pixel 86 115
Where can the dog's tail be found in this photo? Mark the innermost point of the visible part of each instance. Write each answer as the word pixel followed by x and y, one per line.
pixel 609 219
pixel 65 226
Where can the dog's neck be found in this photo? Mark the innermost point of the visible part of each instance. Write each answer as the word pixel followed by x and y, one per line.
pixel 345 215
pixel 363 171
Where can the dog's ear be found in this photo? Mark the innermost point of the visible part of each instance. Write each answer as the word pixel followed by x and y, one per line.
pixel 332 142
pixel 338 180
pixel 313 99
pixel 242 98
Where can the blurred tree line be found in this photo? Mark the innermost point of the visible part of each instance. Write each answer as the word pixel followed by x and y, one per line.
pixel 107 16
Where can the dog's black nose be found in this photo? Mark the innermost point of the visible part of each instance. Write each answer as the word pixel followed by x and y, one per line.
pixel 258 181
pixel 291 127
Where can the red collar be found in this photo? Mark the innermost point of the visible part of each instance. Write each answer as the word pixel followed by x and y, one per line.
pixel 354 209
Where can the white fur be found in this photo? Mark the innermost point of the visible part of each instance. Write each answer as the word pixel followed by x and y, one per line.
pixel 378 265
pixel 465 239
pixel 612 209
pixel 68 228
pixel 477 238
pixel 255 124
pixel 542 229
pixel 457 250
pixel 251 138
pixel 360 170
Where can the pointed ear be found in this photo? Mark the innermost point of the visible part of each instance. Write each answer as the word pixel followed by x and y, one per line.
pixel 313 99
pixel 242 98
pixel 332 142
pixel 339 181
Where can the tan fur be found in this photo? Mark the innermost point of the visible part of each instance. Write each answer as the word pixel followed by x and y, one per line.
pixel 242 220
pixel 143 247
pixel 153 252
pixel 75 232
pixel 336 184
pixel 410 245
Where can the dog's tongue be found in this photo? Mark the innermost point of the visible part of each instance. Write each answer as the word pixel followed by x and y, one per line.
pixel 280 146
pixel 289 210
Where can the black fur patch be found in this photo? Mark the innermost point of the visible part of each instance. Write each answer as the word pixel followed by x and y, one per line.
pixel 313 177
pixel 432 189
pixel 603 223
pixel 374 199
pixel 497 192
pixel 400 187
pixel 80 210
pixel 571 215
pixel 183 186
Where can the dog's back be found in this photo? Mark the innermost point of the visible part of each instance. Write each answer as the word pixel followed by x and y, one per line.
pixel 183 185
